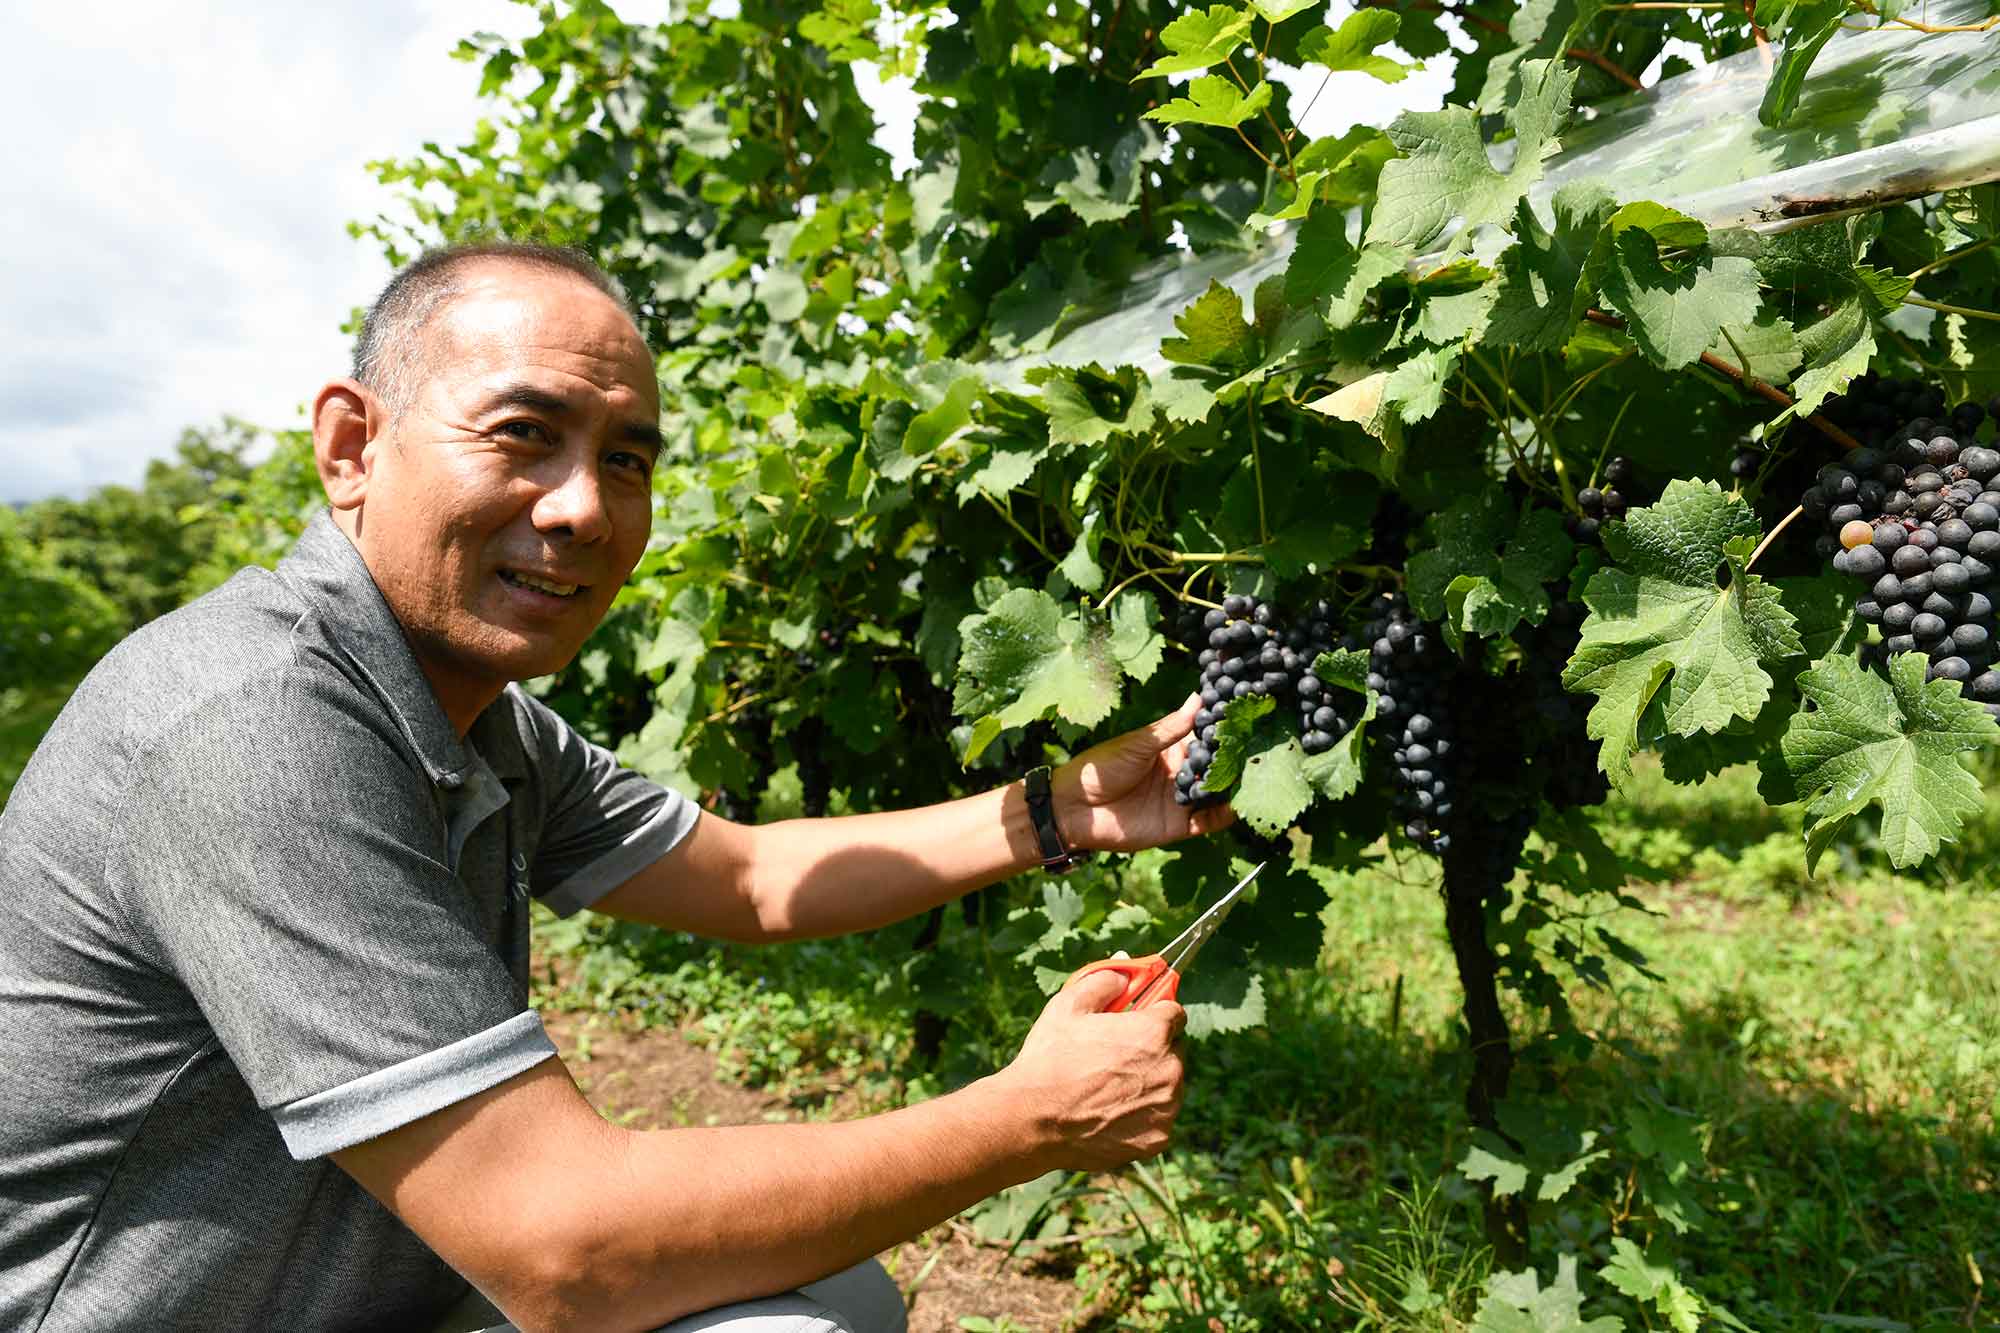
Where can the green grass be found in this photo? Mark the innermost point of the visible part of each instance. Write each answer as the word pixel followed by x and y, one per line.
pixel 1828 1052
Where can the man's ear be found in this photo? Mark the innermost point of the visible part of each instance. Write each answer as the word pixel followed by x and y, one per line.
pixel 347 417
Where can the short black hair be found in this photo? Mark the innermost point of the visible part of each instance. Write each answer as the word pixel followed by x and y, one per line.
pixel 389 356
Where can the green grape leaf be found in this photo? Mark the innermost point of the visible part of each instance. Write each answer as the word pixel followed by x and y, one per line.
pixel 1008 464
pixel 1274 789
pixel 1519 1303
pixel 1863 740
pixel 1336 773
pixel 1809 26
pixel 1489 1158
pixel 784 295
pixel 1091 405
pixel 1654 1281
pixel 1453 304
pixel 1564 1178
pixel 857 709
pixel 928 430
pixel 1673 311
pixel 1836 348
pixel 1136 646
pixel 1025 314
pixel 1660 619
pixel 1277 922
pixel 1349 164
pixel 1213 100
pixel 1080 566
pixel 1352 45
pixel 1302 193
pixel 1234 740
pixel 1213 332
pixel 1221 1000
pixel 1766 349
pixel 1023 659
pixel 1099 185
pixel 1326 267
pixel 1446 176
pixel 1199 39
pixel 1509 590
pixel 1277 11
pixel 1416 387
pixel 1184 395
pixel 1669 1142
pixel 1466 535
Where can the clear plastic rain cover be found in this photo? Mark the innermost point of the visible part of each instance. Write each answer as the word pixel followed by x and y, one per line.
pixel 1886 114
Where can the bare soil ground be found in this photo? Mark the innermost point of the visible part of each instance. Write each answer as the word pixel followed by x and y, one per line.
pixel 653 1078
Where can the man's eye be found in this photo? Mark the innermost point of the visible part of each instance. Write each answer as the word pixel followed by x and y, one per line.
pixel 525 430
pixel 637 462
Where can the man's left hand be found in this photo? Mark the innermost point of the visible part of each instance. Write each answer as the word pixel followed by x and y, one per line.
pixel 1118 795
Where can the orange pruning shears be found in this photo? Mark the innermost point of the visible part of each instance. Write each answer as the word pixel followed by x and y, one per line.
pixel 1157 976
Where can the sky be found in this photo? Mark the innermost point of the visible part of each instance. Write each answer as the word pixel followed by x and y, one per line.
pixel 173 242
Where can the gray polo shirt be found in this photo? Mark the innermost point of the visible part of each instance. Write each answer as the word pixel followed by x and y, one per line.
pixel 258 902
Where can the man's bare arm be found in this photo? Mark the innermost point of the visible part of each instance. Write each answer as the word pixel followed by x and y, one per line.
pixel 810 878
pixel 564 1220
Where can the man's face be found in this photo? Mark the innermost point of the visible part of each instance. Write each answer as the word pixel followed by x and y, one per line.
pixel 512 497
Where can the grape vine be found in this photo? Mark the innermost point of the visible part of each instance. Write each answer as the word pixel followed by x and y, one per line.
pixel 1462 506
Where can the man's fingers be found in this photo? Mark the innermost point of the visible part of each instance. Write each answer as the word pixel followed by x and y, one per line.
pixel 1176 725
pixel 1094 992
pixel 1211 819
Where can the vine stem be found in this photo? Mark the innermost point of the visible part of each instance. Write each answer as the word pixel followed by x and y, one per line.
pixel 1757 32
pixel 1257 466
pixel 1869 8
pixel 1951 258
pixel 1761 389
pixel 1772 536
pixel 1966 311
pixel 1123 584
pixel 732 710
pixel 1213 558
pixel 1014 523
pixel 1597 58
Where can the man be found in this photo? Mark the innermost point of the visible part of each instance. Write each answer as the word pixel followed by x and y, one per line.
pixel 265 1057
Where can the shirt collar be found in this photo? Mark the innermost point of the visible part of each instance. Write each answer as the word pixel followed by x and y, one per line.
pixel 328 571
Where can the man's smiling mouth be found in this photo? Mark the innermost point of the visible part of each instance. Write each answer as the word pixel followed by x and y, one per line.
pixel 539 584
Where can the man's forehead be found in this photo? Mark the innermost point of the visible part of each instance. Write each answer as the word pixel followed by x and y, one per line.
pixel 511 320
pixel 503 300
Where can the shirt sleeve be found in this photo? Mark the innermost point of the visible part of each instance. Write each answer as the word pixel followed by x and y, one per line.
pixel 603 823
pixel 287 862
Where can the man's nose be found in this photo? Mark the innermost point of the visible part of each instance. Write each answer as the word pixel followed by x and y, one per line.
pixel 574 503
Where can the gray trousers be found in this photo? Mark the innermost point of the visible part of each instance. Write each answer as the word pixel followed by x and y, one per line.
pixel 861 1299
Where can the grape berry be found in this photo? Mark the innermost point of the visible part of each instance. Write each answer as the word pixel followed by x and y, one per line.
pixel 1410 668
pixel 1247 651
pixel 1918 522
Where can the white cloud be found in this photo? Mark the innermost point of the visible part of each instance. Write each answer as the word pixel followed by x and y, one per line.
pixel 173 239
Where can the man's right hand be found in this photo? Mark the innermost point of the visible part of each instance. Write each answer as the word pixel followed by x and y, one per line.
pixel 1104 1088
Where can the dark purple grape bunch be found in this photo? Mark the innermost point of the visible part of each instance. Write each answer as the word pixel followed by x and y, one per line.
pixel 1601 504
pixel 1324 714
pixel 1919 523
pixel 1410 669
pixel 1873 408
pixel 1238 637
pixel 1247 651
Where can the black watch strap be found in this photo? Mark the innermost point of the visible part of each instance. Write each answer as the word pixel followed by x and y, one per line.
pixel 1056 854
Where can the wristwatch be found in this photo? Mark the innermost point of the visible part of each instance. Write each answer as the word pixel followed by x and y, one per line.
pixel 1057 857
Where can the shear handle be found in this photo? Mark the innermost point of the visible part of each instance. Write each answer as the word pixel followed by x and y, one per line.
pixel 1139 973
